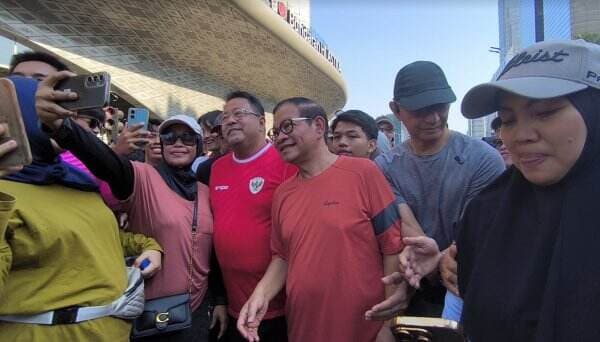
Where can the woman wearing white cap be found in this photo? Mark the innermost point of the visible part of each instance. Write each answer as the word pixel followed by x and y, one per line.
pixel 527 263
pixel 164 202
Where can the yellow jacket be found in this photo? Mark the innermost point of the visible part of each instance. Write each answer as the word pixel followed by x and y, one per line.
pixel 61 248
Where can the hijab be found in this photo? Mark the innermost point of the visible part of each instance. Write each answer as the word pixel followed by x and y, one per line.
pixel 528 267
pixel 181 180
pixel 46 168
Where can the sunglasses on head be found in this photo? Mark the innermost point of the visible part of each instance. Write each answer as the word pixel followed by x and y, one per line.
pixel 171 138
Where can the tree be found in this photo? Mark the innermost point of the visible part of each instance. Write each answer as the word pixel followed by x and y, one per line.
pixel 591 37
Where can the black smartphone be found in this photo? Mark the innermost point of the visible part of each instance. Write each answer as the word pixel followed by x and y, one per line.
pixel 93 91
pixel 410 328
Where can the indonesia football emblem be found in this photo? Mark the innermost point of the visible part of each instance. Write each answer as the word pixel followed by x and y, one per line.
pixel 256 185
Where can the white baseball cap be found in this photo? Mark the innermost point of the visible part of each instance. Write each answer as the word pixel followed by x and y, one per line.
pixel 543 70
pixel 183 120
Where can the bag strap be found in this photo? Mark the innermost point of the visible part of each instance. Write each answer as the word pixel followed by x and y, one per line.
pixel 194 230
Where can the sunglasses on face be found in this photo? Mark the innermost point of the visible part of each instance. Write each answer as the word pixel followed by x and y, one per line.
pixel 171 138
pixel 93 123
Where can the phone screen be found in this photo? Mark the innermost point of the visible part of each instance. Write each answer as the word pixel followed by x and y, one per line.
pixel 138 115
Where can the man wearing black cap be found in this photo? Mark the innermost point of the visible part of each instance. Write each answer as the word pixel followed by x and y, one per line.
pixel 436 171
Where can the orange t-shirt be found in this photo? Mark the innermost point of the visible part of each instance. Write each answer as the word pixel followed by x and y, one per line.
pixel 333 230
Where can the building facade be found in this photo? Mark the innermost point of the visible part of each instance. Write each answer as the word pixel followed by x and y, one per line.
pixel 524 22
pixel 585 17
pixel 179 57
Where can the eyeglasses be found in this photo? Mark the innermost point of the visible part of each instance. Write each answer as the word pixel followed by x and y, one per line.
pixel 171 138
pixel 237 115
pixel 286 127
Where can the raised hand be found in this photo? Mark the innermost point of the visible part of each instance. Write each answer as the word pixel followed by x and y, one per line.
pixel 5 148
pixel 419 258
pixel 49 112
pixel 132 138
pixel 448 269
pixel 393 304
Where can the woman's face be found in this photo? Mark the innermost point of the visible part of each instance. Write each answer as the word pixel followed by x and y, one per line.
pixel 545 137
pixel 179 146
pixel 212 138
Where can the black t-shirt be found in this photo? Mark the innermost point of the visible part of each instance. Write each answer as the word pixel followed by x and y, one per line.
pixel 203 170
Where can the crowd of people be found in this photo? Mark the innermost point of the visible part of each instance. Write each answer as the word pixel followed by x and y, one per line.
pixel 309 230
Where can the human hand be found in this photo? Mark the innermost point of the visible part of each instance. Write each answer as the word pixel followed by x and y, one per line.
pixel 385 334
pixel 419 258
pixel 49 112
pixel 397 301
pixel 448 269
pixel 251 315
pixel 131 139
pixel 155 258
pixel 220 314
pixel 6 148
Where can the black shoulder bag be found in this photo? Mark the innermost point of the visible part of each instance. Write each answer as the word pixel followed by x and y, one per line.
pixel 171 313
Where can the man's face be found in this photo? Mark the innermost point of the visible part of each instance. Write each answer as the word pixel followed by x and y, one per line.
pixel 427 124
pixel 240 123
pixel 152 150
pixel 180 147
pixel 33 69
pixel 351 140
pixel 387 129
pixel 301 137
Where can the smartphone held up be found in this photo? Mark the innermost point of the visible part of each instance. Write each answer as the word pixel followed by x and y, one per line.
pixel 136 116
pixel 93 91
pixel 10 115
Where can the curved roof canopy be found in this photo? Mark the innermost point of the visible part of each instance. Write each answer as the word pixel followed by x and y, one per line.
pixel 178 56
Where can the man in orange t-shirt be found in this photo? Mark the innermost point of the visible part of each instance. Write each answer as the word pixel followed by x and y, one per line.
pixel 335 234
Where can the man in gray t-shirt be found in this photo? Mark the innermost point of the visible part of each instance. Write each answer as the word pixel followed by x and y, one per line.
pixel 437 187
pixel 436 171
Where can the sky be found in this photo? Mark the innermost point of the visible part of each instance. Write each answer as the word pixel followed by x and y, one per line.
pixel 373 39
